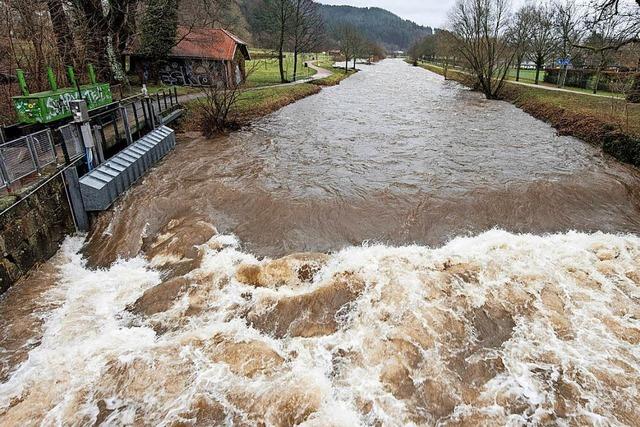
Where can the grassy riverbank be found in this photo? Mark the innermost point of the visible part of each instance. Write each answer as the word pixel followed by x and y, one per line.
pixel 610 123
pixel 335 78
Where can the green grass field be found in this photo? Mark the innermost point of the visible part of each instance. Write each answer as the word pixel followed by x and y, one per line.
pixel 526 76
pixel 266 72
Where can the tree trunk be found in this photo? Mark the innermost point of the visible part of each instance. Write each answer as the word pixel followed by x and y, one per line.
pixel 283 78
pixel 64 37
pixel 597 81
pixel 563 76
pixel 346 65
pixel 295 64
pixel 281 65
pixel 537 73
pixel 519 66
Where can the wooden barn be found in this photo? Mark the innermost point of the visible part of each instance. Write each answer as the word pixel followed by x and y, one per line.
pixel 202 57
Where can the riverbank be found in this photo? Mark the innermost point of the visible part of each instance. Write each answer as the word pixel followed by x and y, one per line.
pixel 609 123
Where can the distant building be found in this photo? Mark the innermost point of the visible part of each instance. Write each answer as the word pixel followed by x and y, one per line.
pixel 202 57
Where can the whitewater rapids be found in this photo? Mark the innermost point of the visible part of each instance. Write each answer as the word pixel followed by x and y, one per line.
pixel 498 329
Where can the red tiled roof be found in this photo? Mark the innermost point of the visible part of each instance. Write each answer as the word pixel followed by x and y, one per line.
pixel 208 43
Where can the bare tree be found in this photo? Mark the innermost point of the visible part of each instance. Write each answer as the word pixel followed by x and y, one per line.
pixel 544 41
pixel 349 40
pixel 307 30
pixel 217 109
pixel 446 49
pixel 607 37
pixel 107 26
pixel 480 26
pixel 276 20
pixel 567 24
pixel 519 35
pixel 64 36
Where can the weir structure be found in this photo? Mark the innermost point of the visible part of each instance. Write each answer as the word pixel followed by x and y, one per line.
pixel 62 175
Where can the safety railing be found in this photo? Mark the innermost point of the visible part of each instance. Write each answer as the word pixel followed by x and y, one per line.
pixel 25 156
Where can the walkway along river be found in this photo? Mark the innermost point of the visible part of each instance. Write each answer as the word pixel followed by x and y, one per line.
pixel 169 314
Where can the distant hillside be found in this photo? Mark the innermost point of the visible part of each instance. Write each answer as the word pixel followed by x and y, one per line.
pixel 376 24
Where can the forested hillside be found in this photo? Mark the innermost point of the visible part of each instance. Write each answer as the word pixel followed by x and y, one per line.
pixel 378 25
pixel 375 24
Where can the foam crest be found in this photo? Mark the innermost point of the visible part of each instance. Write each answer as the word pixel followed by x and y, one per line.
pixel 495 329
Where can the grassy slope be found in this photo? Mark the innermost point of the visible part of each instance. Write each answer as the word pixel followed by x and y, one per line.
pixel 598 120
pixel 257 103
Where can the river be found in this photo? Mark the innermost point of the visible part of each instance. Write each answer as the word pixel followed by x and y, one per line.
pixel 395 250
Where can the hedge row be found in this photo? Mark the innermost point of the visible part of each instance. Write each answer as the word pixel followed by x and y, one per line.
pixel 585 79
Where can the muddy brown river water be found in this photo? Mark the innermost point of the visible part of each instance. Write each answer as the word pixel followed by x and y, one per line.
pixel 393 251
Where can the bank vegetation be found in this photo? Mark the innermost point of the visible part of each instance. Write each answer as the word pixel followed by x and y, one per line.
pixel 611 123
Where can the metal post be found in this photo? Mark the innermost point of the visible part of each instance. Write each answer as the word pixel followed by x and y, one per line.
pixel 125 120
pixel 115 127
pixel 158 100
pixel 151 113
pixel 4 172
pixel 75 199
pixel 175 94
pixel 34 154
pixel 164 97
pixel 65 151
pixel 98 137
pixel 135 116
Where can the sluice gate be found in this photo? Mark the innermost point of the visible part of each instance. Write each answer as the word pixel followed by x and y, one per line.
pixel 103 185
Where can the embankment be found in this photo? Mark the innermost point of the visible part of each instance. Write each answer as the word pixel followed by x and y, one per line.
pixel 606 122
pixel 32 230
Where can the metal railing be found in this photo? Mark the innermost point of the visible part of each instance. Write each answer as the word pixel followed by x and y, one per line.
pixel 25 156
pixel 113 128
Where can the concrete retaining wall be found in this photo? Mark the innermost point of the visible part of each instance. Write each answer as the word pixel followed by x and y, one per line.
pixel 31 231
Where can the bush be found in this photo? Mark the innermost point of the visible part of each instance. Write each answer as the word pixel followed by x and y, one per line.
pixel 575 78
pixel 585 79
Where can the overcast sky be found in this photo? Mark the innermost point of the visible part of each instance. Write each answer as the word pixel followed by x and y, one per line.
pixel 425 12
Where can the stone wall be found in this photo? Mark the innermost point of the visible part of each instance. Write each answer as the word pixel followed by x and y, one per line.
pixel 31 231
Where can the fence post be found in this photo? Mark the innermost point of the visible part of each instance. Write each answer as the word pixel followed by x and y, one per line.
pixel 125 120
pixel 75 199
pixel 2 140
pixel 65 151
pixel 4 172
pixel 151 113
pixel 34 154
pixel 99 141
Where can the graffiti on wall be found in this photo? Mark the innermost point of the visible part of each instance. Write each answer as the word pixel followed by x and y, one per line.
pixel 51 106
pixel 186 73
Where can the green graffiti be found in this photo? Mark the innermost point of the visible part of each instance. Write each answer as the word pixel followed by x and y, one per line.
pixel 47 107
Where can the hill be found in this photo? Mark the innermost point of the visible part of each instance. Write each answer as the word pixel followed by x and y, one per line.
pixel 378 25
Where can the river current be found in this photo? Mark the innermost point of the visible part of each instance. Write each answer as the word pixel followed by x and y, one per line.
pixel 392 251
